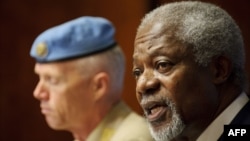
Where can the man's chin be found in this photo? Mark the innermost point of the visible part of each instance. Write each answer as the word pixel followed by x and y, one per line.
pixel 157 126
pixel 166 131
pixel 53 124
pixel 55 127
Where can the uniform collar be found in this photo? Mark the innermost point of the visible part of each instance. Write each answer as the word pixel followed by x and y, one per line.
pixel 105 130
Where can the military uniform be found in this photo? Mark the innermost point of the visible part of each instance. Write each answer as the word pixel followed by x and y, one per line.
pixel 121 124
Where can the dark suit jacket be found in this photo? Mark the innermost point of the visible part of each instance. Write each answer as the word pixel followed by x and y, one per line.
pixel 242 118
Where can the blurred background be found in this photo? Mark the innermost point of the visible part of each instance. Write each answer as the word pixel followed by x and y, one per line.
pixel 22 21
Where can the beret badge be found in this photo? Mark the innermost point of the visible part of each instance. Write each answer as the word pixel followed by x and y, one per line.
pixel 41 50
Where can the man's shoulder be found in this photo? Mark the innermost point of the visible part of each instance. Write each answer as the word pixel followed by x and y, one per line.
pixel 133 128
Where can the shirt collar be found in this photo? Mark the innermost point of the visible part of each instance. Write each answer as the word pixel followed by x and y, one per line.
pixel 215 129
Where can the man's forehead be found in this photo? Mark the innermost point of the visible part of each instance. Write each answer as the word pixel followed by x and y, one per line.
pixel 171 50
pixel 152 29
pixel 54 66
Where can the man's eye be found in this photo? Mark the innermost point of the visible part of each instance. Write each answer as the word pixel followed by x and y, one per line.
pixel 52 80
pixel 163 66
pixel 137 72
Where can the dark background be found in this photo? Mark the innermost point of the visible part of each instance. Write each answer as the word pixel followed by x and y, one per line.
pixel 22 21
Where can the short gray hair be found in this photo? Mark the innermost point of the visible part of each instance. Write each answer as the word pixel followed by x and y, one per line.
pixel 115 63
pixel 207 29
pixel 111 61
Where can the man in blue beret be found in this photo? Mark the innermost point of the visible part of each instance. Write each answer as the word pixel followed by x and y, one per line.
pixel 81 71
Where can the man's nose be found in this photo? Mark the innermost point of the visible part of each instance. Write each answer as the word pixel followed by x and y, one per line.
pixel 41 92
pixel 147 83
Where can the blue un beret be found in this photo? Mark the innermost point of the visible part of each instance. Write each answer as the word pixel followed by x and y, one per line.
pixel 80 37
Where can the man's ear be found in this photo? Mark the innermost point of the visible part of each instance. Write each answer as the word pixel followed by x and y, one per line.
pixel 221 69
pixel 101 85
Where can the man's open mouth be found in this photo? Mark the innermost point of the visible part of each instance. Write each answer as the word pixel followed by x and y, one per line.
pixel 155 111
